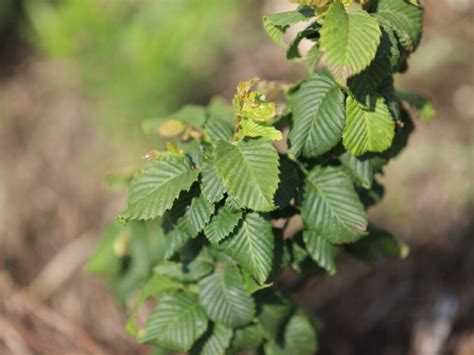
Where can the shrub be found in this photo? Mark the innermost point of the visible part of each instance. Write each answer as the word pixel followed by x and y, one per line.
pixel 281 180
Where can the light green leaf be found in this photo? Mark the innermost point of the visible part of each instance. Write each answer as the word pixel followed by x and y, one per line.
pixel 176 323
pixel 252 246
pixel 321 250
pixel 249 171
pixel 318 115
pixel 219 340
pixel 222 224
pixel 331 206
pixel 249 128
pixel 368 129
pixel 224 299
pixel 153 191
pixel 404 17
pixel 349 40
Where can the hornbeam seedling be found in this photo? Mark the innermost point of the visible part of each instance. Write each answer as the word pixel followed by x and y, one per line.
pixel 281 179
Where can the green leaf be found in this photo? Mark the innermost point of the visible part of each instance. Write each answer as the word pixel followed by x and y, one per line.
pixel 176 323
pixel 331 206
pixel 349 40
pixel 249 171
pixel 106 262
pixel 219 340
pixel 361 168
pixel 406 20
pixel 274 312
pixel 387 57
pixel 218 130
pixel 368 129
pixel 211 183
pixel 423 106
pixel 224 299
pixel 156 285
pixel 247 338
pixel 275 25
pixel 249 128
pixel 197 215
pixel 318 116
pixel 321 250
pixel 252 246
pixel 153 191
pixel 222 224
pixel 300 336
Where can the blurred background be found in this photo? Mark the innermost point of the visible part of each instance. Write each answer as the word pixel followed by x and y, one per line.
pixel 77 78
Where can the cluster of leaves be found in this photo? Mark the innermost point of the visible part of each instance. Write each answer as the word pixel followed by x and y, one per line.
pixel 210 223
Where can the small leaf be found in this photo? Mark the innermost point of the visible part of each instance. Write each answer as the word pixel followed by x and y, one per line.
pixel 170 128
pixel 368 129
pixel 224 299
pixel 275 25
pixel 253 129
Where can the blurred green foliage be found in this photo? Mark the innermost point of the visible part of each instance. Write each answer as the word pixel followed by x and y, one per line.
pixel 137 59
pixel 6 13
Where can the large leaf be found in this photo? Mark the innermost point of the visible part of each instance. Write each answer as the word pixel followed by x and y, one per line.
pixel 176 323
pixel 219 341
pixel 224 299
pixel 368 128
pixel 153 191
pixel 318 114
pixel 404 17
pixel 252 246
pixel 249 171
pixel 331 206
pixel 222 224
pixel 275 25
pixel 349 40
pixel 321 250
